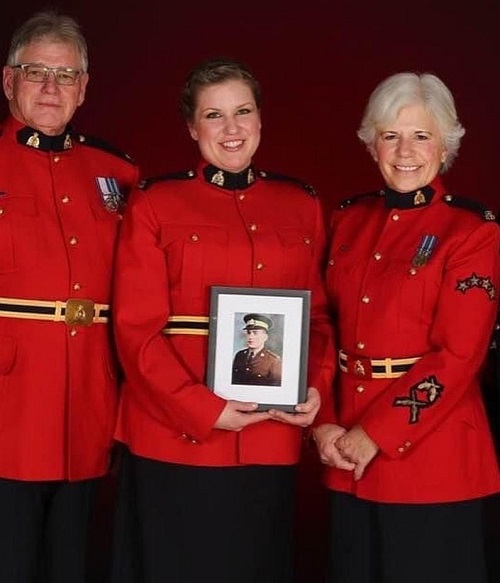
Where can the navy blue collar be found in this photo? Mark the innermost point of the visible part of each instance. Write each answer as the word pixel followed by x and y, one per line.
pixel 408 200
pixel 36 139
pixel 229 180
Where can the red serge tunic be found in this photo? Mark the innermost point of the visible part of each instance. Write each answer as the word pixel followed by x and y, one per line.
pixel 415 276
pixel 180 236
pixel 58 222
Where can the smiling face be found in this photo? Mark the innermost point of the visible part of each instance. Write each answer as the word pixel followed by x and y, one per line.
pixel 46 106
pixel 226 124
pixel 410 150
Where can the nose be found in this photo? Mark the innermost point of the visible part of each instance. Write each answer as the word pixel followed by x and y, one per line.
pixel 49 82
pixel 231 125
pixel 404 146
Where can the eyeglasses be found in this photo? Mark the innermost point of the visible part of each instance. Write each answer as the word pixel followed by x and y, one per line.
pixel 40 73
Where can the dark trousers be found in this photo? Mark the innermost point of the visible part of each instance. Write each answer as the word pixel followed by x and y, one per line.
pixel 184 524
pixel 43 531
pixel 406 543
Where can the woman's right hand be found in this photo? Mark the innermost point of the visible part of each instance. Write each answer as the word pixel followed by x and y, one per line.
pixel 237 414
pixel 325 437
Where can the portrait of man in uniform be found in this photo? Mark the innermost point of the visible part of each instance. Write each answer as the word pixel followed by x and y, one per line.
pixel 256 364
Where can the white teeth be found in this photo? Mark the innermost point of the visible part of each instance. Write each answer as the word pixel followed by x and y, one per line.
pixel 233 144
pixel 406 168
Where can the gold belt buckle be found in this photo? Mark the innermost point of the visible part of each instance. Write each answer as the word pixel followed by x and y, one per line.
pixel 79 312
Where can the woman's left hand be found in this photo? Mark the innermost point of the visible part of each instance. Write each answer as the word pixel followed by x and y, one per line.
pixel 357 447
pixel 305 412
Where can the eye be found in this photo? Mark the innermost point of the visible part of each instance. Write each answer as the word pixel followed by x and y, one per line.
pixel 65 77
pixel 389 136
pixel 244 111
pixel 34 73
pixel 212 115
pixel 420 137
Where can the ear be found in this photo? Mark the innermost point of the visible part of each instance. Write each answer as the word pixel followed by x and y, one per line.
pixel 83 87
pixel 192 131
pixel 8 82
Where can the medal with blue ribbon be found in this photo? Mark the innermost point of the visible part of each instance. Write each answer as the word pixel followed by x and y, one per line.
pixel 110 192
pixel 424 251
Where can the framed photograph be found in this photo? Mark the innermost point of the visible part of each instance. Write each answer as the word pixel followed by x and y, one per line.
pixel 258 345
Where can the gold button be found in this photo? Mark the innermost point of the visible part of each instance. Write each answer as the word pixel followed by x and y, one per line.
pixel 365 300
pixel 395 217
pixel 407 443
pixel 56 159
pixel 77 286
pixel 331 262
pixel 73 332
pixel 260 266
pixel 73 241
pixel 360 388
pixel 1 212
pixel 377 256
pixel 412 271
pixel 194 237
pixel 307 241
pixel 253 227
pixel 65 199
pixel 401 449
pixel 241 196
pixel 194 441
pixel 360 345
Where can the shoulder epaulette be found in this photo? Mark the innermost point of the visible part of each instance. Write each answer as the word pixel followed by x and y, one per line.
pixel 347 202
pixel 182 175
pixel 100 144
pixel 470 205
pixel 273 176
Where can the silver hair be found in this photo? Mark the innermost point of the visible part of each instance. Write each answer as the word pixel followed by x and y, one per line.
pixel 51 26
pixel 406 89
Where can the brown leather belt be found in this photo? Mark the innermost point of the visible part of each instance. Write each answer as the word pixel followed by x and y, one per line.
pixel 375 368
pixel 73 311
pixel 197 325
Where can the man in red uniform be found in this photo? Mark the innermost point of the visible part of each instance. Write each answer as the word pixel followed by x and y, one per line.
pixel 60 196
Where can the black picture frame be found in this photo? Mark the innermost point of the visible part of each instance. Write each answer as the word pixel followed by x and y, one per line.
pixel 276 377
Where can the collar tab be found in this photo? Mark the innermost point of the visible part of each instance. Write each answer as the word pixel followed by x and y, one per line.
pixel 408 200
pixel 229 180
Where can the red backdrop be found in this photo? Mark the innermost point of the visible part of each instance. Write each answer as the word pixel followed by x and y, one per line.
pixel 317 63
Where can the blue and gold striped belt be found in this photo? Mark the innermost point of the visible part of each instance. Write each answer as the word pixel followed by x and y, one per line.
pixel 73 311
pixel 375 368
pixel 197 325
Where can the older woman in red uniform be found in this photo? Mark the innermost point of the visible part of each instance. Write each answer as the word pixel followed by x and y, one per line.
pixel 210 481
pixel 413 279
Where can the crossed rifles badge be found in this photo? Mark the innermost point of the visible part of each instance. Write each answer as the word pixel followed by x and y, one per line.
pixel 429 388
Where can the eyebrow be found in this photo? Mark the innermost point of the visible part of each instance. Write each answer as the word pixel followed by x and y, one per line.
pixel 415 132
pixel 246 104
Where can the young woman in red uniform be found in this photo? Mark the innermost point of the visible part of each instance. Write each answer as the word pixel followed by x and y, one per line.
pixel 207 484
pixel 413 279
